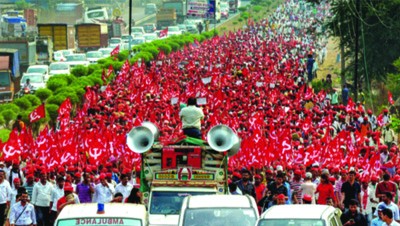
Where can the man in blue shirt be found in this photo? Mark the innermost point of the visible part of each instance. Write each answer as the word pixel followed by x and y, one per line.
pixel 378 221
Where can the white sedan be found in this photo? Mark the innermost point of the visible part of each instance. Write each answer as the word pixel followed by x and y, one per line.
pixel 94 56
pixel 173 30
pixel 41 69
pixel 77 59
pixel 35 79
pixel 58 68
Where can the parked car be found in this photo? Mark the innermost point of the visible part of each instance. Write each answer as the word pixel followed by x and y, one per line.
pixel 58 56
pixel 314 215
pixel 149 28
pixel 93 56
pixel 57 68
pixel 114 42
pixel 192 28
pixel 66 52
pixel 106 52
pixel 218 210
pixel 77 59
pixel 137 31
pixel 138 41
pixel 150 37
pixel 182 28
pixel 225 13
pixel 173 30
pixel 150 8
pixel 42 69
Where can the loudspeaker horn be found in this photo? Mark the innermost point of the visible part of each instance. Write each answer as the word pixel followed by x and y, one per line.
pixel 221 138
pixel 140 139
pixel 236 146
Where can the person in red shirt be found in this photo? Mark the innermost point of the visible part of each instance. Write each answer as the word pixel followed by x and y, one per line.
pixel 259 187
pixel 325 190
pixel 385 186
pixel 67 199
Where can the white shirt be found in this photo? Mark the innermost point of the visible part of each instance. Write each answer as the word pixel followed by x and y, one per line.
pixel 394 223
pixel 368 208
pixel 191 116
pixel 41 194
pixel 393 207
pixel 13 196
pixel 309 188
pixel 56 194
pixel 103 194
pixel 125 190
pixel 27 217
pixel 5 192
pixel 373 197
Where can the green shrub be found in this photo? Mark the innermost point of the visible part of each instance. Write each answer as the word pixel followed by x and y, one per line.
pixel 66 89
pixel 79 91
pixel 43 94
pixel 96 79
pixel 152 49
pixel 93 67
pixel 123 55
pixel 52 111
pixel 10 106
pixel 165 48
pixel 8 115
pixel 35 101
pixel 2 120
pixel 4 134
pixel 257 8
pixel 240 19
pixel 55 84
pixel 57 99
pixel 82 82
pixel 234 22
pixel 23 103
pixel 80 71
pixel 242 9
pixel 174 46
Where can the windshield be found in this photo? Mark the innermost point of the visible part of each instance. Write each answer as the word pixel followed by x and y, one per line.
pixel 94 55
pixel 173 28
pixel 224 5
pixel 66 52
pixel 100 221
pixel 148 27
pixel 220 216
pixel 106 52
pixel 55 67
pixel 58 54
pixel 290 222
pixel 163 202
pixel 150 37
pixel 137 41
pixel 115 41
pixel 76 57
pixel 4 79
pixel 33 79
pixel 36 70
pixel 137 30
pixel 95 14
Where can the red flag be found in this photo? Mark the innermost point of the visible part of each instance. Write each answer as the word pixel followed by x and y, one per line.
pixel 103 76
pixel 110 70
pixel 390 97
pixel 37 114
pixel 115 51
pixel 164 32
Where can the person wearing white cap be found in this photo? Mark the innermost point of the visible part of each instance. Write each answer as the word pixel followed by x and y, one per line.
pixel 308 187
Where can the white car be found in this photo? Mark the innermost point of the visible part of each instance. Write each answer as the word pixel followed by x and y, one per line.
pixel 94 56
pixel 150 37
pixel 66 52
pixel 137 31
pixel 114 42
pixel 42 69
pixel 105 51
pixel 218 210
pixel 137 41
pixel 58 56
pixel 77 59
pixel 35 79
pixel 173 30
pixel 58 68
pixel 317 215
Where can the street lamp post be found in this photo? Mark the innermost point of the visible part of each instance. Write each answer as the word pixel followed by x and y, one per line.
pixel 130 30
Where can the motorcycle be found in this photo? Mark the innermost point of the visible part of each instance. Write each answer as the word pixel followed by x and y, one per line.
pixel 25 91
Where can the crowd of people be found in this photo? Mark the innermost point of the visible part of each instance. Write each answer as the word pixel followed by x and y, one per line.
pixel 302 147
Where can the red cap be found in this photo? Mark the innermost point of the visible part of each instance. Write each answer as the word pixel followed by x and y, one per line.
pixel 396 178
pixel 16 180
pixel 29 176
pixel 236 174
pixel 102 176
pixel 78 174
pixel 374 178
pixel 332 179
pixel 257 176
pixel 297 172
pixel 281 196
pixel 343 171
pixel 61 169
pixel 68 188
pixel 109 175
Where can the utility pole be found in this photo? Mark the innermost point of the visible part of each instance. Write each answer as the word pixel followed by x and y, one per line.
pixel 130 30
pixel 356 50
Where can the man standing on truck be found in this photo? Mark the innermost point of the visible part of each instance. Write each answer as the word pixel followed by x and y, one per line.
pixel 191 117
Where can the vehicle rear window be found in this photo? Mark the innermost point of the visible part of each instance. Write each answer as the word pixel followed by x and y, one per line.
pixel 291 222
pixel 4 79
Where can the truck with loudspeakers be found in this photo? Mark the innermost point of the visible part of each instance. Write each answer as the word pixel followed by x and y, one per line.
pixel 186 167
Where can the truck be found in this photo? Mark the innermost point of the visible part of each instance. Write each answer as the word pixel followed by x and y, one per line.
pixel 44 50
pixel 165 18
pixel 26 47
pixel 91 36
pixel 233 5
pixel 188 166
pixel 58 34
pixel 9 72
pixel 179 6
pixel 68 13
